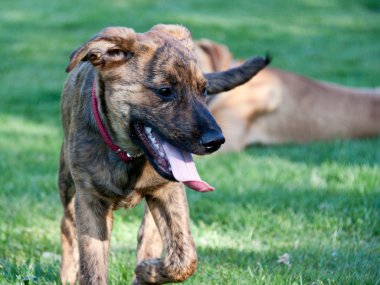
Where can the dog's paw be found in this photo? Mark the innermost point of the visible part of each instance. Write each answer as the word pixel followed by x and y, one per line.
pixel 149 272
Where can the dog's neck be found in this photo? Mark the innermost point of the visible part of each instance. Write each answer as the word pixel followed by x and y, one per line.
pixel 124 155
pixel 97 89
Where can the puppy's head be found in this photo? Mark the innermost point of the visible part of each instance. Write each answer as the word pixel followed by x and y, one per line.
pixel 154 91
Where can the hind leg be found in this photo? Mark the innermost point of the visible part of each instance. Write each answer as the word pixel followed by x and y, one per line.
pixel 70 255
pixel 149 242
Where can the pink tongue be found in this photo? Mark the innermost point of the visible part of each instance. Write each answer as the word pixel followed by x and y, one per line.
pixel 184 170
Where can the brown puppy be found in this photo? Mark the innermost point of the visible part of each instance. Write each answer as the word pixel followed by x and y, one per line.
pixel 280 107
pixel 133 109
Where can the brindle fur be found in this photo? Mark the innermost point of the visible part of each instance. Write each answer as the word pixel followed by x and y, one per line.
pixel 93 181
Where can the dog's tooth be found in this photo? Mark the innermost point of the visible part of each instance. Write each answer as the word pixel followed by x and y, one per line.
pixel 151 137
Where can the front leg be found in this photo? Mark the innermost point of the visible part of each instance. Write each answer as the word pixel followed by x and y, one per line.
pixel 94 222
pixel 170 212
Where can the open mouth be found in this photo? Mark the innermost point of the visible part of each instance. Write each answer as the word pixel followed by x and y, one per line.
pixel 169 161
pixel 151 143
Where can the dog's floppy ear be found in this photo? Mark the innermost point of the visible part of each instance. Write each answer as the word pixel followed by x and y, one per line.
pixel 231 78
pixel 110 45
pixel 220 56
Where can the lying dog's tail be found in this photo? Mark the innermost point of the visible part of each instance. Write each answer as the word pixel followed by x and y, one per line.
pixel 227 80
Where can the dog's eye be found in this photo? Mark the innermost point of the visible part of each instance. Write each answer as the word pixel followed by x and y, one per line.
pixel 165 92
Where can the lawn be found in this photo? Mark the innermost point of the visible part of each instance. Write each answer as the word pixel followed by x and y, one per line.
pixel 318 203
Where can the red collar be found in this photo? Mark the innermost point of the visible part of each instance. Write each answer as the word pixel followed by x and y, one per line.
pixel 106 137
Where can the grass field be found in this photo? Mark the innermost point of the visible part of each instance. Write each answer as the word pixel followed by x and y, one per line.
pixel 319 203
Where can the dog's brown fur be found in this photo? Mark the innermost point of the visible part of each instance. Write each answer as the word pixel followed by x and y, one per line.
pixel 279 107
pixel 127 68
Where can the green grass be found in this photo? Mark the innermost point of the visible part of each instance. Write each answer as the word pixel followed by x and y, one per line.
pixel 319 202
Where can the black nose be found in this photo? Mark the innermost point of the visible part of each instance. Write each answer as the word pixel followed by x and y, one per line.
pixel 212 140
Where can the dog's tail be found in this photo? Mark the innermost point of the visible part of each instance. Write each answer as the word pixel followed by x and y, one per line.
pixel 231 78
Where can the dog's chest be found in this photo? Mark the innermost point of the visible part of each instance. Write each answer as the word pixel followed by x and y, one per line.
pixel 126 183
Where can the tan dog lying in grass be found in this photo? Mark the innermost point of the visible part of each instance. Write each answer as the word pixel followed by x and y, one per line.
pixel 279 107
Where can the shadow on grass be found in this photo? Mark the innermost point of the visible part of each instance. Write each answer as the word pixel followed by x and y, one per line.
pixel 38 107
pixel 363 151
pixel 274 212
